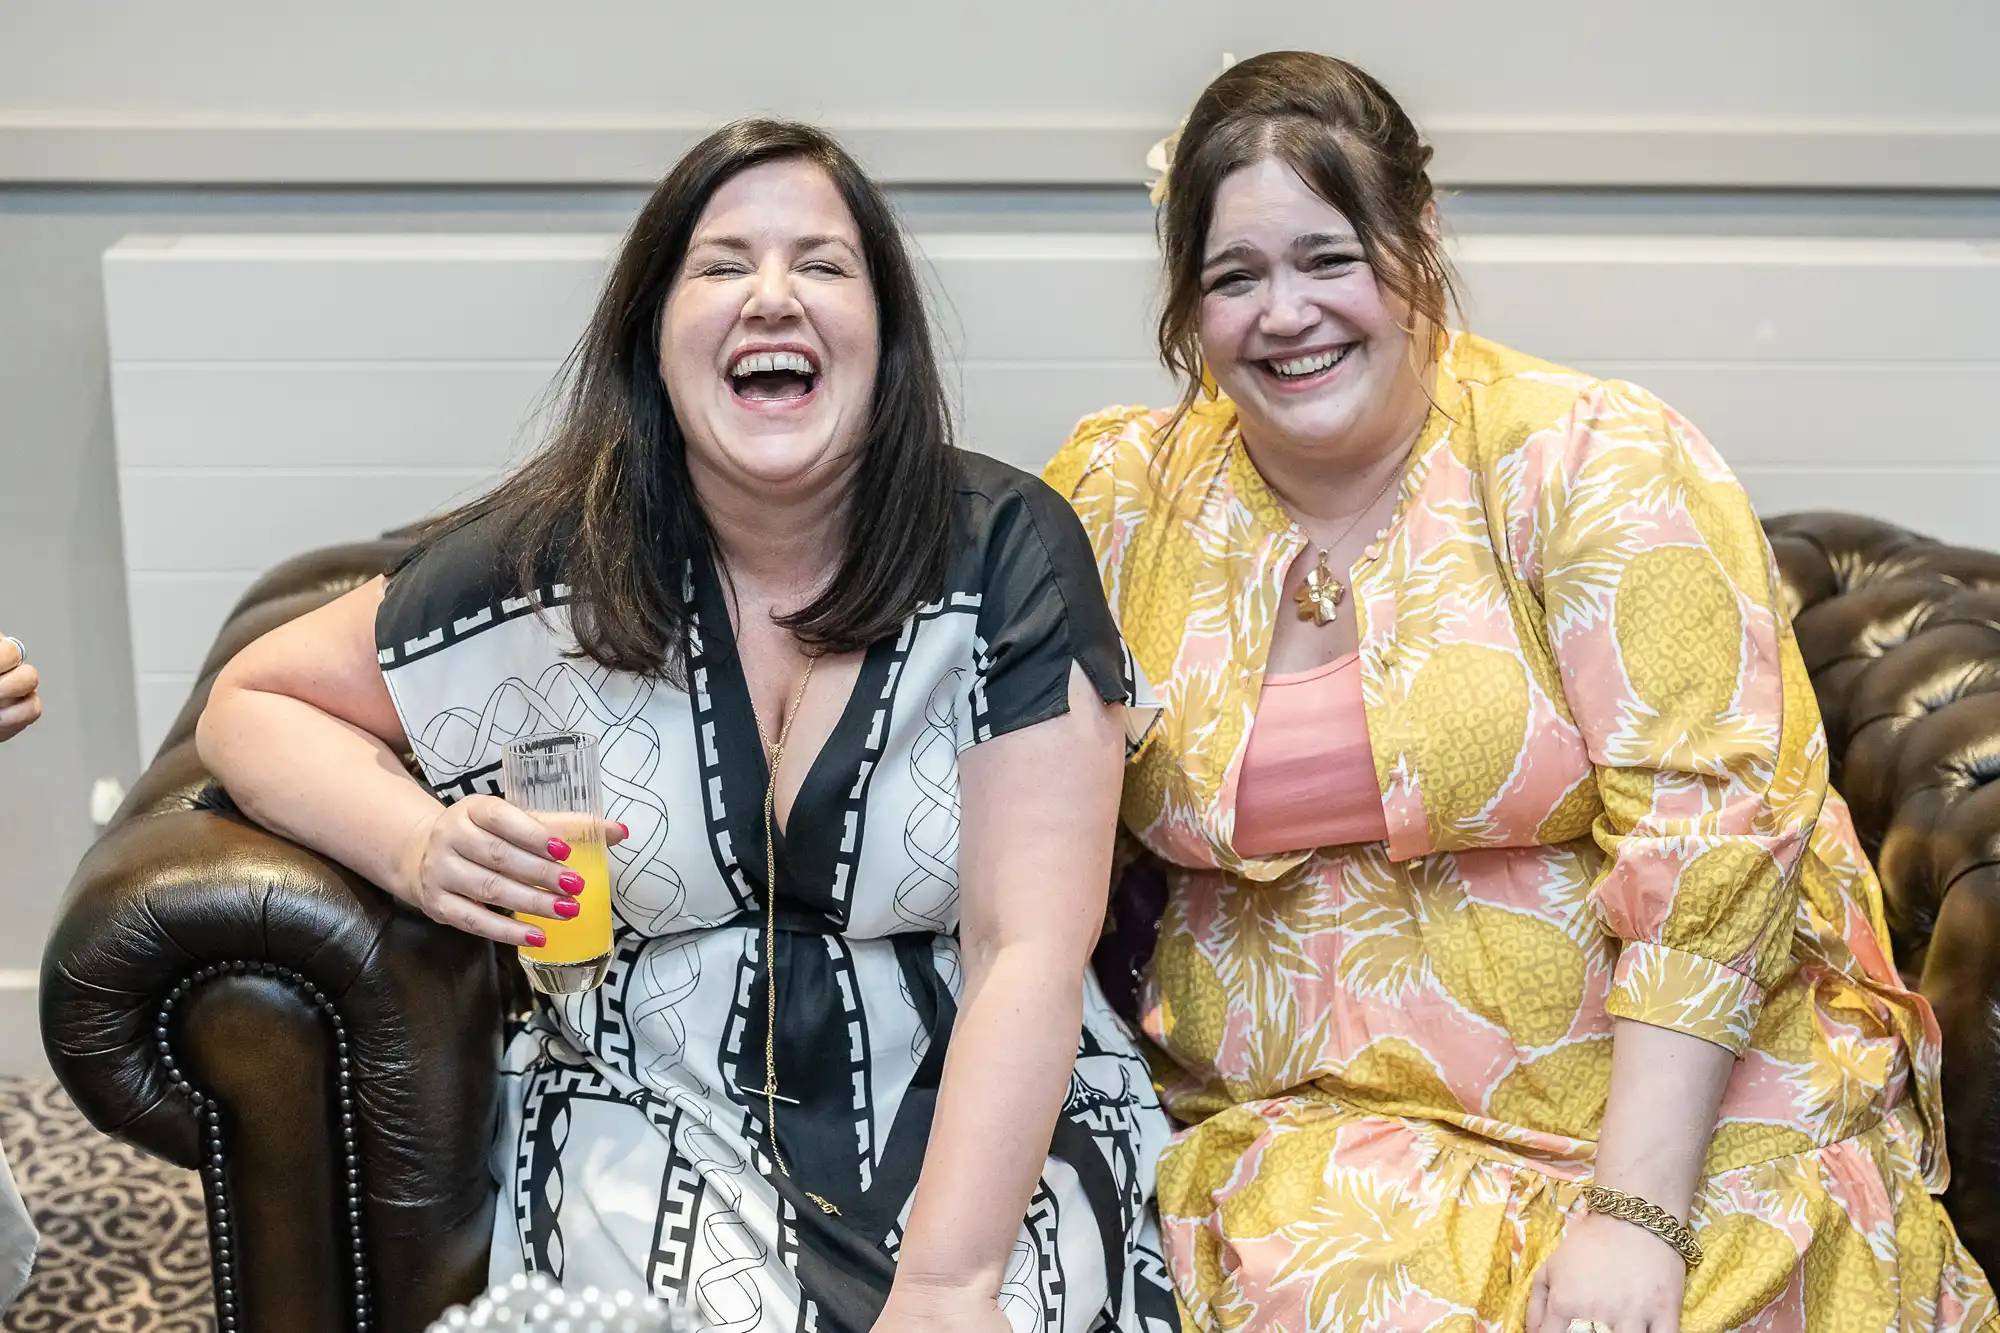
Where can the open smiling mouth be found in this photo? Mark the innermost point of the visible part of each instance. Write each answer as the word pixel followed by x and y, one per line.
pixel 1296 369
pixel 763 377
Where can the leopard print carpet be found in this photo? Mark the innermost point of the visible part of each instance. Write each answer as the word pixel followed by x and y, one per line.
pixel 124 1244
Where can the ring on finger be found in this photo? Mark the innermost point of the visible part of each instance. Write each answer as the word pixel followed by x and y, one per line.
pixel 1587 1326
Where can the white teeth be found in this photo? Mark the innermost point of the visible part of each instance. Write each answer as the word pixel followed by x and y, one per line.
pixel 764 362
pixel 1308 365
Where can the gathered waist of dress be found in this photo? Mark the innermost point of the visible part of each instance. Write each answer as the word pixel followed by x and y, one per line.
pixel 1395 1002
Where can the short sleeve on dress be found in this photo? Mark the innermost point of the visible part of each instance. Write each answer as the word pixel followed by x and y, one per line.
pixel 1042 608
pixel 450 582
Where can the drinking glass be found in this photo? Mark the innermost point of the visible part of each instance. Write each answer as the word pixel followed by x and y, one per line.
pixel 554 777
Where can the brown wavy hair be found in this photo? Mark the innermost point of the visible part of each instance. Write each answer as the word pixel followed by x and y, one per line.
pixel 608 506
pixel 1353 146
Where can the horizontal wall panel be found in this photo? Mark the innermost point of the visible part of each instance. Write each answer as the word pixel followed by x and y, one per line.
pixel 1576 93
pixel 1565 298
pixel 276 393
pixel 1575 298
pixel 160 699
pixel 529 297
pixel 329 298
pixel 305 414
pixel 1059 297
pixel 1044 298
pixel 1810 415
pixel 1586 152
pixel 1951 504
pixel 1021 414
pixel 175 617
pixel 244 519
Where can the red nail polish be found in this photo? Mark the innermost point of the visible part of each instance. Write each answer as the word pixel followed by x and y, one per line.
pixel 558 849
pixel 570 882
pixel 537 940
pixel 567 908
pixel 626 831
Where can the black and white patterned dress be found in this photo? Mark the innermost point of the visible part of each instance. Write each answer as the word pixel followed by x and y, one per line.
pixel 633 1151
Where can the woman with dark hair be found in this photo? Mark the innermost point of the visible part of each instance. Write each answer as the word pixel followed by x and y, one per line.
pixel 1519 968
pixel 859 700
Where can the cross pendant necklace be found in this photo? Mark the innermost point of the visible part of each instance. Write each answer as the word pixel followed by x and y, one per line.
pixel 775 752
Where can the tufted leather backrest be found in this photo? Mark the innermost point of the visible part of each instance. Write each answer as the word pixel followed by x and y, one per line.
pixel 1902 637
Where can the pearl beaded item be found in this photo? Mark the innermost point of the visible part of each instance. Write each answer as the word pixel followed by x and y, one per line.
pixel 533 1303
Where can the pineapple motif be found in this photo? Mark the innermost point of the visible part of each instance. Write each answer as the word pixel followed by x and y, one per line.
pixel 1746 1263
pixel 1574 813
pixel 1516 971
pixel 1462 767
pixel 1193 1173
pixel 1391 1070
pixel 1679 633
pixel 1847 1289
pixel 1531 401
pixel 1754 1141
pixel 1562 1092
pixel 1194 1006
pixel 1290 1170
pixel 1725 900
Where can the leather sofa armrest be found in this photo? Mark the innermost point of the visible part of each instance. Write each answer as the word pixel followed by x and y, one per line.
pixel 1961 979
pixel 328 1059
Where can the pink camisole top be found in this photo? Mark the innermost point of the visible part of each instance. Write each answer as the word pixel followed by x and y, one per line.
pixel 1308 777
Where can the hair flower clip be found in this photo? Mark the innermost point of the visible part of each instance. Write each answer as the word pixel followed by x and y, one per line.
pixel 1160 157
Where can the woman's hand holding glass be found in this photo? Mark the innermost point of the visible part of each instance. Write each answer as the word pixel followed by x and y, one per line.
pixel 481 857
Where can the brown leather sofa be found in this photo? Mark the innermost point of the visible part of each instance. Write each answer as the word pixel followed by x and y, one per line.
pixel 327 1058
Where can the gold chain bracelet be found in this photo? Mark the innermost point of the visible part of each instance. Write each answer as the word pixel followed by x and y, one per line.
pixel 1631 1208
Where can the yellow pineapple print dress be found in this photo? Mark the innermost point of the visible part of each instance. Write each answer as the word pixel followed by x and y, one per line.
pixel 1604 780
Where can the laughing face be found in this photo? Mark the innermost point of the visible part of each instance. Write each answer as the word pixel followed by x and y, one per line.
pixel 1296 329
pixel 768 344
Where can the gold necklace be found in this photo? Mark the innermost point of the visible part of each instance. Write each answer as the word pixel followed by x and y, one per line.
pixel 775 752
pixel 1319 596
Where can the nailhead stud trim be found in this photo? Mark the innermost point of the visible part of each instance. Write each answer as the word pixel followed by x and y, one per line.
pixel 208 1114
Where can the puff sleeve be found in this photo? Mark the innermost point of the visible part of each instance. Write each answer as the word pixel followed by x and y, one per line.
pixel 1657 590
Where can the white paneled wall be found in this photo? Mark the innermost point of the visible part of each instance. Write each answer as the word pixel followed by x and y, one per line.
pixel 278 393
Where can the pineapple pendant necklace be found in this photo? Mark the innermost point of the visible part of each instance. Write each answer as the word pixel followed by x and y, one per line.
pixel 1319 596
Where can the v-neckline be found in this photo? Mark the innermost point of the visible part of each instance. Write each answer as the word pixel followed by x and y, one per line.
pixel 802 852
pixel 813 774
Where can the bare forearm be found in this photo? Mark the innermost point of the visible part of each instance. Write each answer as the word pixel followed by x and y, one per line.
pixel 1666 1091
pixel 318 780
pixel 1004 1082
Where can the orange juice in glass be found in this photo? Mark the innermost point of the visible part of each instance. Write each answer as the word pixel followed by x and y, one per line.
pixel 554 777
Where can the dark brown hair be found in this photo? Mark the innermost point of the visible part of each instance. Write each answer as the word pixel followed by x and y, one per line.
pixel 608 506
pixel 1351 144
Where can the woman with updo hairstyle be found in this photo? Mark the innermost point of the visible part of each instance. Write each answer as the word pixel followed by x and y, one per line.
pixel 1519 970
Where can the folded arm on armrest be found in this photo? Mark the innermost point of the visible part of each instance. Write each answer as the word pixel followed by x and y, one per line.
pixel 165 895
